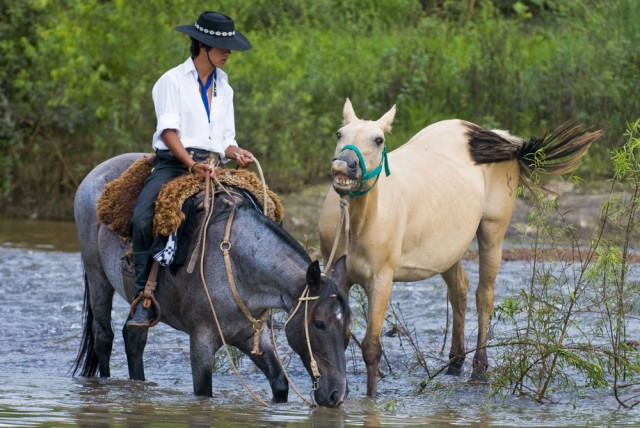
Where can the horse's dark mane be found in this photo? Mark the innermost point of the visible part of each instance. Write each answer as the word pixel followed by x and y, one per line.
pixel 246 207
pixel 330 287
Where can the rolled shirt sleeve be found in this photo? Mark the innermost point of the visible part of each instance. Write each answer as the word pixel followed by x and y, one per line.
pixel 166 99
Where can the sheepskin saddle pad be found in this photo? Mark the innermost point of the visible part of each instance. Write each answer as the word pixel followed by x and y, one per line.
pixel 116 203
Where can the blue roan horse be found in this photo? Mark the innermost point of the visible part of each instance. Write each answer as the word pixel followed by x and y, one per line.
pixel 271 270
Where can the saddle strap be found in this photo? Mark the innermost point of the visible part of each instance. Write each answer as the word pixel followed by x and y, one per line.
pixel 147 294
pixel 150 286
pixel 258 324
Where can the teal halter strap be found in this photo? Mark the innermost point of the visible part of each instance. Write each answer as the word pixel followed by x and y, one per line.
pixel 368 175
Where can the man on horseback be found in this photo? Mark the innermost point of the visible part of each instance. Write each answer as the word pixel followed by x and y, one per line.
pixel 195 131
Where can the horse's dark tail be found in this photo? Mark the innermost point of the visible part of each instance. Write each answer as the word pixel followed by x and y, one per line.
pixel 552 154
pixel 86 351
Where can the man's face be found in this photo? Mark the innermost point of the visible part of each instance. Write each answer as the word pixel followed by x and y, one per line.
pixel 219 56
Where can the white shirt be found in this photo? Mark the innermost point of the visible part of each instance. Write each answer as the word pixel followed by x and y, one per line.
pixel 178 103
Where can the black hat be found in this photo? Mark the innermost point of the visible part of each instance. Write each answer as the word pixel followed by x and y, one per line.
pixel 216 30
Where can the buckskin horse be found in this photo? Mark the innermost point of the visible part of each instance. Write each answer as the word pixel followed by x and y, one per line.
pixel 270 269
pixel 452 181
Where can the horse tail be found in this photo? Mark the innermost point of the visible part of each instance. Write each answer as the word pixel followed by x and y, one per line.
pixel 552 154
pixel 86 351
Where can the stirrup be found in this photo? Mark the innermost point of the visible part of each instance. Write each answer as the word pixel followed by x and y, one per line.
pixel 148 296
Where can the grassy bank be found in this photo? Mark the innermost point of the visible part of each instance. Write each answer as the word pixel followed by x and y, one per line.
pixel 76 89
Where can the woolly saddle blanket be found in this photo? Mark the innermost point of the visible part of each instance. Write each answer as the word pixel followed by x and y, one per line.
pixel 116 203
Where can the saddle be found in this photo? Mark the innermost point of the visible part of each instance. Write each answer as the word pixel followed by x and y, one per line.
pixel 117 201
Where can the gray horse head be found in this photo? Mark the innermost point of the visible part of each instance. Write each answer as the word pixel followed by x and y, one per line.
pixel 327 326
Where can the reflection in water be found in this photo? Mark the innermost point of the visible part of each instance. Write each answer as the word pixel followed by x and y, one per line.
pixel 39 235
pixel 41 321
pixel 322 417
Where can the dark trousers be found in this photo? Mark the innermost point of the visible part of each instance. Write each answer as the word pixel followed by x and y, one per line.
pixel 164 168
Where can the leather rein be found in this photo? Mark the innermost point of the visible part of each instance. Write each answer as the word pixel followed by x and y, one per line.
pixel 344 203
pixel 257 324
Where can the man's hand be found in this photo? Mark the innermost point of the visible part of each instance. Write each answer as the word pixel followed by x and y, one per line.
pixel 242 156
pixel 202 168
pixel 173 143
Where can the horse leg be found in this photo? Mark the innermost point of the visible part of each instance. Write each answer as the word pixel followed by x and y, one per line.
pixel 490 236
pixel 378 293
pixel 135 340
pixel 457 285
pixel 268 363
pixel 345 286
pixel 101 299
pixel 203 346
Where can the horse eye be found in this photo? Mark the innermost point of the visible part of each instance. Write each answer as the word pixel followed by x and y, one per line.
pixel 339 134
pixel 320 325
pixel 379 140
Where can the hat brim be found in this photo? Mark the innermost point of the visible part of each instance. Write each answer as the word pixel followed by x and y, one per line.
pixel 236 43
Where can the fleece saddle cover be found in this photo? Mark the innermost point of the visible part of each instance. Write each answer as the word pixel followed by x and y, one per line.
pixel 116 203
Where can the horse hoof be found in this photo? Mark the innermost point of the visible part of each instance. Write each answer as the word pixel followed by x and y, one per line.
pixel 454 371
pixel 278 398
pixel 478 378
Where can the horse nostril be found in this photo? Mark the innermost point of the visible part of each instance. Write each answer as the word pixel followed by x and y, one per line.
pixel 336 399
pixel 352 166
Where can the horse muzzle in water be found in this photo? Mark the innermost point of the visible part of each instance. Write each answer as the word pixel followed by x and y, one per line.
pixel 332 399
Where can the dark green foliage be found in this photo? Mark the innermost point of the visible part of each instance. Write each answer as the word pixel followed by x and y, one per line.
pixel 77 76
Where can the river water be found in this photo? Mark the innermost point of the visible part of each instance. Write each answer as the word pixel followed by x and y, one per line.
pixel 41 292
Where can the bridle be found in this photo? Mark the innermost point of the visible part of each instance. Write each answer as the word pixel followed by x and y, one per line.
pixel 312 362
pixel 258 324
pixel 344 204
pixel 368 175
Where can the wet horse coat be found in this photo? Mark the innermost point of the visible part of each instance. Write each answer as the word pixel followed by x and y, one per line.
pixel 451 182
pixel 270 269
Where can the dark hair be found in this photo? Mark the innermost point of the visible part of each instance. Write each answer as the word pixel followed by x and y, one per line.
pixel 195 47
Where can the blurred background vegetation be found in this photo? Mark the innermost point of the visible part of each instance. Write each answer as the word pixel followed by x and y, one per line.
pixel 76 78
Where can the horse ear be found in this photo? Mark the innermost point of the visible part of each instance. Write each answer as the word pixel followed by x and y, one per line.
pixel 349 114
pixel 339 270
pixel 314 280
pixel 385 121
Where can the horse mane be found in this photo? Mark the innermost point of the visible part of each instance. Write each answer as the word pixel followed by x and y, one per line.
pixel 552 154
pixel 247 207
pixel 330 288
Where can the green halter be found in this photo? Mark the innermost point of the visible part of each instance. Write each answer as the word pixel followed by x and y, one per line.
pixel 366 176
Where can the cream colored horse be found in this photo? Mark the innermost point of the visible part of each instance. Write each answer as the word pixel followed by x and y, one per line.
pixel 452 181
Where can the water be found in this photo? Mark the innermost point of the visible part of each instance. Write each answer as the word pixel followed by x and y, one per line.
pixel 39 235
pixel 41 294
